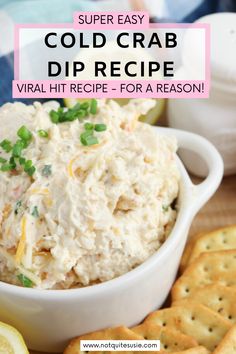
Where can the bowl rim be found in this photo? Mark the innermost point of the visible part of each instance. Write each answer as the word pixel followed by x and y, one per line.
pixel 184 217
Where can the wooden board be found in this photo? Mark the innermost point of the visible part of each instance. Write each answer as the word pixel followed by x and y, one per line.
pixel 219 211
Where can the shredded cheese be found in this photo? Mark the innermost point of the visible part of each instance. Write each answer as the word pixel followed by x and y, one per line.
pixel 70 167
pixel 39 191
pixel 48 202
pixel 21 245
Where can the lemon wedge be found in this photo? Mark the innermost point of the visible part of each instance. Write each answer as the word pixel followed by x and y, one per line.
pixel 11 341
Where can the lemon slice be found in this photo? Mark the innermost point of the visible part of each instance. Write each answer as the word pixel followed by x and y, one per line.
pixel 11 341
pixel 151 117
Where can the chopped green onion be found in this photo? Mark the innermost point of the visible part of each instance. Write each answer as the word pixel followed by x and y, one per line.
pixel 84 136
pixel 28 164
pixel 24 133
pixel 12 162
pixel 54 116
pixel 91 140
pixel 84 105
pixel 69 116
pixel 88 126
pixel 26 282
pixel 6 145
pixel 42 133
pixel 30 171
pixel 7 167
pixel 47 170
pixel 17 148
pixel 87 138
pixel 2 160
pixel 79 111
pixel 29 168
pixel 22 160
pixel 25 138
pixel 81 114
pixel 100 127
pixel 93 106
pixel 35 212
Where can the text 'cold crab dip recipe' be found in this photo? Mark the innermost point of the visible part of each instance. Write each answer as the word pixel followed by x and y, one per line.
pixel 86 194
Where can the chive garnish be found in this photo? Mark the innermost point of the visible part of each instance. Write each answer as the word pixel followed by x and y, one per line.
pixel 28 164
pixel 6 145
pixel 25 138
pixel 22 160
pixel 100 127
pixel 24 133
pixel 54 116
pixel 87 138
pixel 42 133
pixel 91 140
pixel 7 167
pixel 2 160
pixel 79 111
pixel 88 126
pixel 93 106
pixel 84 105
pixel 29 168
pixel 26 282
pixel 30 171
pixel 17 148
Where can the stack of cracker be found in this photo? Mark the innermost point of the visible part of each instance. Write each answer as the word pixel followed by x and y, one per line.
pixel 202 317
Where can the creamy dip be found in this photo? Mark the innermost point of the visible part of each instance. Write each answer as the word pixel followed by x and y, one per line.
pixel 89 213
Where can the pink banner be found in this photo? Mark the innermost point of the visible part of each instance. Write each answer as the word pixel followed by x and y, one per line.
pixel 110 89
pixel 111 20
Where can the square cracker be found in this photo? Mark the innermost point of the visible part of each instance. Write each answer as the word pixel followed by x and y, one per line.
pixel 119 333
pixel 217 240
pixel 195 320
pixel 171 340
pixel 187 252
pixel 211 267
pixel 195 350
pixel 218 298
pixel 228 343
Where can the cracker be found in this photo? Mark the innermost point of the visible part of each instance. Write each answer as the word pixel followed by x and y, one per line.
pixel 211 267
pixel 195 350
pixel 228 343
pixel 171 340
pixel 121 333
pixel 217 240
pixel 187 252
pixel 195 320
pixel 218 298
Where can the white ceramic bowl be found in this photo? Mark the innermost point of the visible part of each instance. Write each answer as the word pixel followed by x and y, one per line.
pixel 49 318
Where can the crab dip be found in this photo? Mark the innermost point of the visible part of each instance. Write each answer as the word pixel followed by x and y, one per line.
pixel 86 194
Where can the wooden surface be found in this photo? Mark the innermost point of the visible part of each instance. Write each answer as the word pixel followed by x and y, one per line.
pixel 218 212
